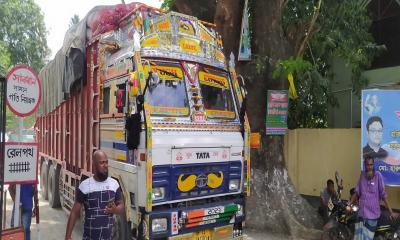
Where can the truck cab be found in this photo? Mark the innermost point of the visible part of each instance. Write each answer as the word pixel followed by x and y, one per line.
pixel 187 176
pixel 160 99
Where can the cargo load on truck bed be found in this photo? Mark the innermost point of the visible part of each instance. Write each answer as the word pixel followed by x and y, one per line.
pixel 65 74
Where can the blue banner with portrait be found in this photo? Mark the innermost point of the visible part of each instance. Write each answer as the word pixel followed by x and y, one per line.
pixel 380 132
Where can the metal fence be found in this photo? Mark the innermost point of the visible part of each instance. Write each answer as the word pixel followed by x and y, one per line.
pixel 3 90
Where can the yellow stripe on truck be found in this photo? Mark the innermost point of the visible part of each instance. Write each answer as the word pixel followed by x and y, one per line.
pixel 110 135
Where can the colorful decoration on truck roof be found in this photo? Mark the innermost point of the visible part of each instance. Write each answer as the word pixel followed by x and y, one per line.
pixel 174 35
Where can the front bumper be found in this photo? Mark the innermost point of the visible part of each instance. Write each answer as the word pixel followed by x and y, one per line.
pixel 218 220
pixel 220 233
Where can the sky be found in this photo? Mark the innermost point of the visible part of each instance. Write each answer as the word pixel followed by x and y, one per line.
pixel 58 13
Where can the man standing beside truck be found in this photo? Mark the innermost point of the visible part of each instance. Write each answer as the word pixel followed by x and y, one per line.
pixel 27 193
pixel 101 197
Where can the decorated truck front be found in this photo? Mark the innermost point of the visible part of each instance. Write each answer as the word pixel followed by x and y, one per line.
pixel 160 99
pixel 190 169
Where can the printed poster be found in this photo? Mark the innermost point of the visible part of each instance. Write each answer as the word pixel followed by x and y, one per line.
pixel 277 112
pixel 380 132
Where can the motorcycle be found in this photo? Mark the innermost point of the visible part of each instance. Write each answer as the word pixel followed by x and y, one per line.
pixel 341 223
pixel 387 228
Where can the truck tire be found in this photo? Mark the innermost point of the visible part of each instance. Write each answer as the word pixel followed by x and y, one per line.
pixel 121 228
pixel 43 181
pixel 53 186
pixel 60 189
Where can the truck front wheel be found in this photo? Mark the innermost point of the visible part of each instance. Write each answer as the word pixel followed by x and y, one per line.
pixel 43 180
pixel 121 228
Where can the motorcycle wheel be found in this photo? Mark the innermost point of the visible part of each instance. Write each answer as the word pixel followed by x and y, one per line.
pixel 337 233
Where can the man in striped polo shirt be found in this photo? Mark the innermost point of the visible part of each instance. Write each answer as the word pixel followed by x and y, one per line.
pixel 101 197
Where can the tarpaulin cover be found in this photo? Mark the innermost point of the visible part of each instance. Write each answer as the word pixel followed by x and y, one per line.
pixel 66 73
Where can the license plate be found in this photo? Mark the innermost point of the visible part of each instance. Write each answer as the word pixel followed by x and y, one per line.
pixel 202 235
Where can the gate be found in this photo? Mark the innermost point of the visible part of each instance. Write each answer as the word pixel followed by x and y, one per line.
pixel 3 90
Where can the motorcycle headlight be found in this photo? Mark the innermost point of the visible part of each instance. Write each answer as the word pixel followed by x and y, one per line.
pixel 354 208
pixel 158 193
pixel 233 184
pixel 159 225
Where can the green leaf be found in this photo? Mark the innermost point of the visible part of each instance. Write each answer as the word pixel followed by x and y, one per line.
pixel 22 33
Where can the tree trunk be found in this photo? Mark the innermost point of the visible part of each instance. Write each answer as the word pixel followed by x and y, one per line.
pixel 274 204
pixel 228 18
pixel 183 6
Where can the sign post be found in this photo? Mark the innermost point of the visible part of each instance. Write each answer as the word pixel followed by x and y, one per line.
pixel 2 141
pixel 20 159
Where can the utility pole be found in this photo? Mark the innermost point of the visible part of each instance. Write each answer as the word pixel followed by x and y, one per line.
pixel 3 90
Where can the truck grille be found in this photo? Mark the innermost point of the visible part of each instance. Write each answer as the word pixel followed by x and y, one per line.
pixel 195 180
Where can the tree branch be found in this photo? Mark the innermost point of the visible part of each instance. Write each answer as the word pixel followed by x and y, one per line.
pixel 308 34
pixel 183 6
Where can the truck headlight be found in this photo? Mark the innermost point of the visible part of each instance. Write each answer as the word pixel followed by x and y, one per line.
pixel 159 225
pixel 233 184
pixel 158 193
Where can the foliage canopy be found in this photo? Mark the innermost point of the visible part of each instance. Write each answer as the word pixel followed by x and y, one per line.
pixel 22 40
pixel 329 29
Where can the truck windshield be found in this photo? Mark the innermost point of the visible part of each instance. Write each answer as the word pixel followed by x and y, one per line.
pixel 167 94
pixel 217 96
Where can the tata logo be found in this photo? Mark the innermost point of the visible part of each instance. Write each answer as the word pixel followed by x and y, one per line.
pixel 202 155
pixel 201 181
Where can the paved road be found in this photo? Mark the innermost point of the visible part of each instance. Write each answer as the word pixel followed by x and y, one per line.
pixel 53 223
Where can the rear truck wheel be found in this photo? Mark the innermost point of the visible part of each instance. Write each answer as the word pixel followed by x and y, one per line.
pixel 121 228
pixel 61 189
pixel 53 186
pixel 141 230
pixel 43 181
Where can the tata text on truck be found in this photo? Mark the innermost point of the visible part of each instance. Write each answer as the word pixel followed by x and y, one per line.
pixel 155 92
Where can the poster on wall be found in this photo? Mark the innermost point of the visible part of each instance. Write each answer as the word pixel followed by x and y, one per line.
pixel 244 45
pixel 380 132
pixel 277 112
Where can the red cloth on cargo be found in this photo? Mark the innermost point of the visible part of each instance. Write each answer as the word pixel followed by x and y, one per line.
pixel 108 18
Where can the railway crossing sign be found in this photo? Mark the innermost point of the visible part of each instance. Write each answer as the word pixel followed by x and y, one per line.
pixel 20 163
